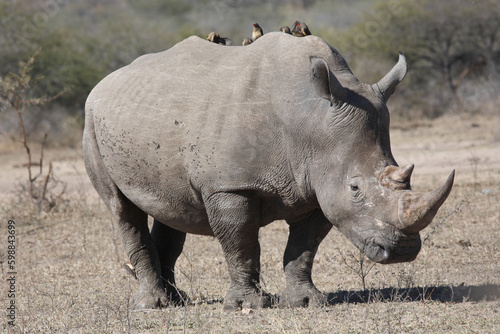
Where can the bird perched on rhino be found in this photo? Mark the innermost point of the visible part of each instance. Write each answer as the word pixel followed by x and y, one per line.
pixel 257 31
pixel 246 41
pixel 300 29
pixel 285 29
pixel 215 38
pixel 130 269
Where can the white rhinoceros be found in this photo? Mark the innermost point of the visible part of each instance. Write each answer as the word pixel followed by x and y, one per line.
pixel 221 141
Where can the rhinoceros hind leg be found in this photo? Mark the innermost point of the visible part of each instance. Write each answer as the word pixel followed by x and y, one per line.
pixel 303 241
pixel 142 253
pixel 169 244
pixel 234 219
pixel 132 223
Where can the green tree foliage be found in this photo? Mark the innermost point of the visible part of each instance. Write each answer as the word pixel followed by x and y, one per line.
pixel 448 43
pixel 443 40
pixel 81 41
pixel 452 47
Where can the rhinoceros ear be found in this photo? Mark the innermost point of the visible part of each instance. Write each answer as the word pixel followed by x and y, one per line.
pixel 325 83
pixel 387 85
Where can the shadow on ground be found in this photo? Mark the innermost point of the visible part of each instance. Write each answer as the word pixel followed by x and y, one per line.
pixel 455 294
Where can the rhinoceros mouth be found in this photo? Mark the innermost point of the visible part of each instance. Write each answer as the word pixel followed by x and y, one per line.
pixel 376 253
pixel 402 249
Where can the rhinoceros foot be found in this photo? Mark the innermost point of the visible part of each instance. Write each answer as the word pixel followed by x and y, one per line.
pixel 158 299
pixel 302 296
pixel 150 300
pixel 237 299
pixel 176 297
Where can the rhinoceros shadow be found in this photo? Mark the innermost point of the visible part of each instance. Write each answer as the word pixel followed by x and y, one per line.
pixel 455 294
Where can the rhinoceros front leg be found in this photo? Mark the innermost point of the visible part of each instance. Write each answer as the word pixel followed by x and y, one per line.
pixel 234 219
pixel 303 242
pixel 169 243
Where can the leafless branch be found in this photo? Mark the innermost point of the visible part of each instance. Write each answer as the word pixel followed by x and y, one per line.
pixel 434 228
pixel 14 91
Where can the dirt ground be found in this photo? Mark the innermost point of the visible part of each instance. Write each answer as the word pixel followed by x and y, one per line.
pixel 70 276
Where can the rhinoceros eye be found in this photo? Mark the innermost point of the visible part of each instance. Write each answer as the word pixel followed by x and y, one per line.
pixel 354 187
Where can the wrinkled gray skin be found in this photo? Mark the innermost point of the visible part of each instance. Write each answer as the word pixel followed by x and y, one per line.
pixel 218 140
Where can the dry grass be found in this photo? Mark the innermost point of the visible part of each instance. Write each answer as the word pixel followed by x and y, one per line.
pixel 71 277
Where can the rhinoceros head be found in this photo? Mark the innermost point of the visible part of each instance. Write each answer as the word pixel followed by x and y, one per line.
pixel 370 200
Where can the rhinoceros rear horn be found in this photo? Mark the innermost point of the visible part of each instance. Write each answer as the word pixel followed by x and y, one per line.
pixel 397 178
pixel 389 82
pixel 325 83
pixel 416 210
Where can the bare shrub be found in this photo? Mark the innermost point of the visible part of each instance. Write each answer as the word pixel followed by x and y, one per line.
pixel 358 264
pixel 15 94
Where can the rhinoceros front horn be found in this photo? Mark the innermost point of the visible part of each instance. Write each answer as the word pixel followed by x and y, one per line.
pixel 416 210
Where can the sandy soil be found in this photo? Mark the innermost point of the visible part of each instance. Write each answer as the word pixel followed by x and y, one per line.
pixel 470 145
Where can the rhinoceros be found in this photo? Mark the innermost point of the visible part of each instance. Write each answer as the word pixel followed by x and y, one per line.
pixel 221 141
